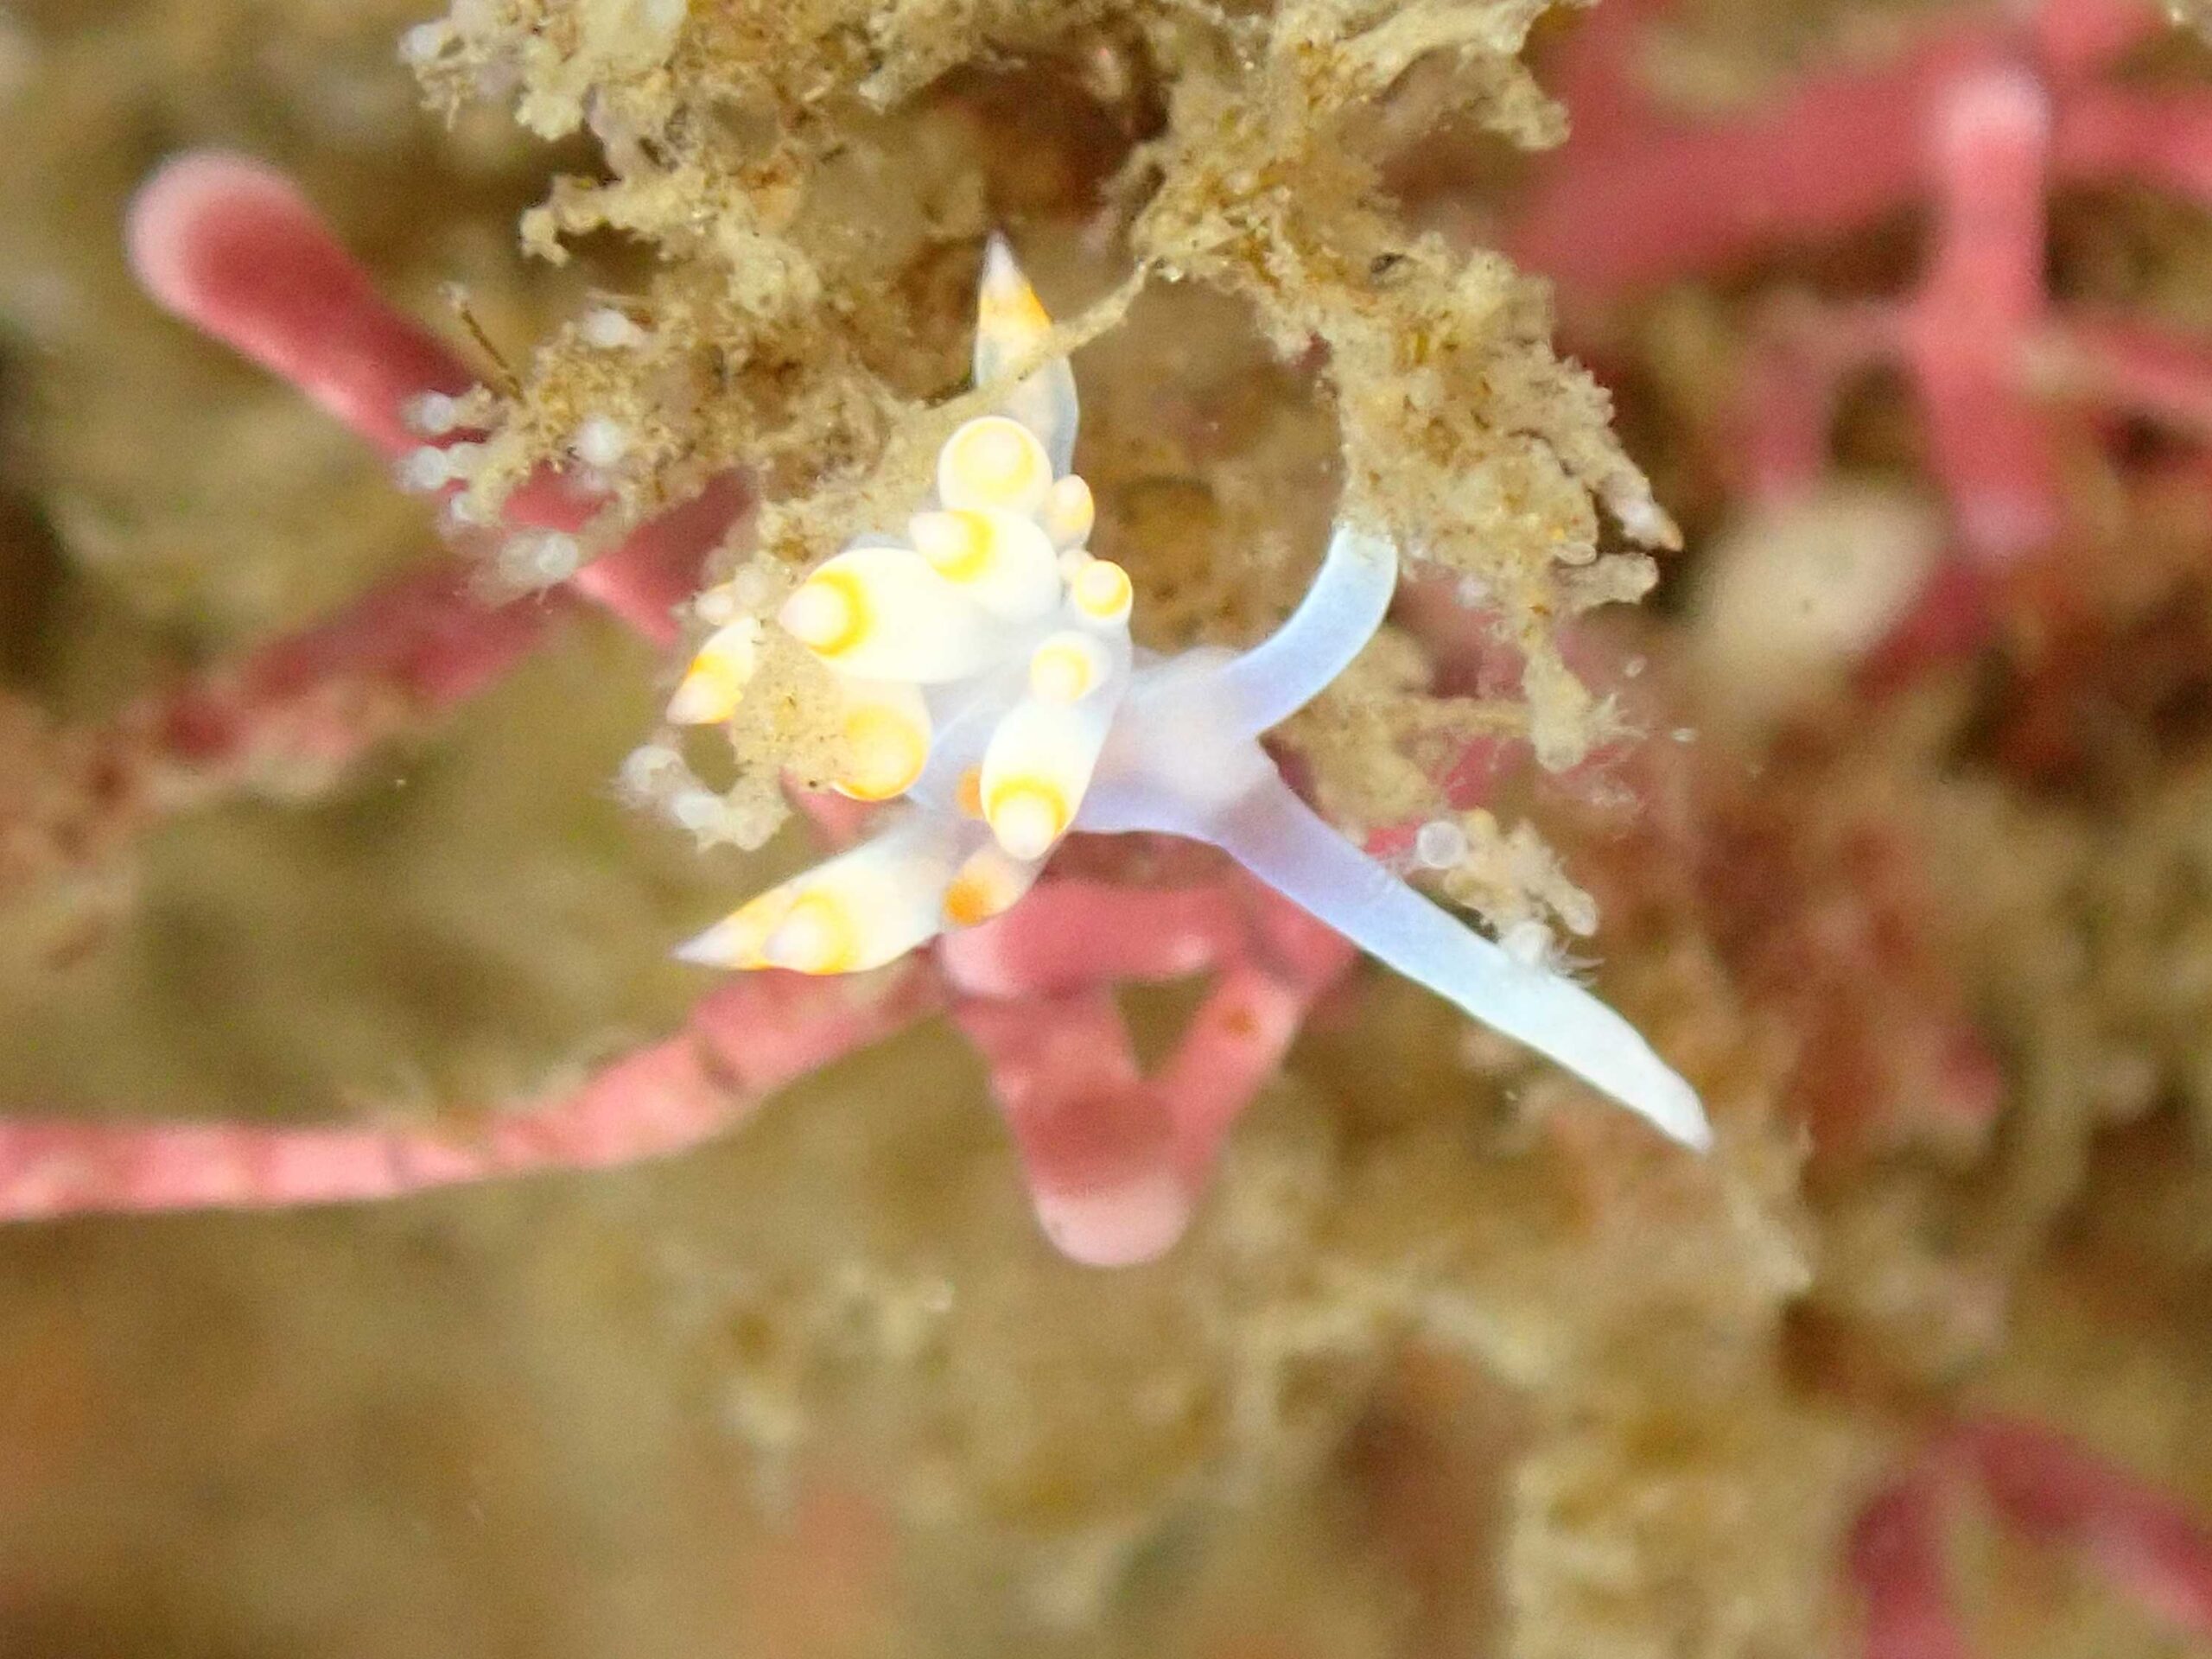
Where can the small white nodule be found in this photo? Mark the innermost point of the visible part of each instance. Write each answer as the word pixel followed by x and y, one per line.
pixel 1439 844
pixel 609 330
pixel 421 471
pixel 648 766
pixel 421 44
pixel 434 414
pixel 699 811
pixel 1529 944
pixel 546 556
pixel 600 443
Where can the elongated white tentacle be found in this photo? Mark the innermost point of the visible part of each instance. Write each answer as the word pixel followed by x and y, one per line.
pixel 1339 614
pixel 1283 841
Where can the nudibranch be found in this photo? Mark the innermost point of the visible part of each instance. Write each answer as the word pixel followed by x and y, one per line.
pixel 990 686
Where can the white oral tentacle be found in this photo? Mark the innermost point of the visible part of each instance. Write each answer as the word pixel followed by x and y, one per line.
pixel 1283 841
pixel 1331 625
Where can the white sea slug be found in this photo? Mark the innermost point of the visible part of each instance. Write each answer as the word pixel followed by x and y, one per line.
pixel 990 685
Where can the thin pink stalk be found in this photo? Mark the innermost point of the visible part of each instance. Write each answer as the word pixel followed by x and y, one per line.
pixel 1072 935
pixel 2052 1489
pixel 1597 75
pixel 2077 39
pixel 232 246
pixel 1800 362
pixel 1631 203
pixel 1096 1144
pixel 2118 365
pixel 2047 1488
pixel 2127 135
pixel 1982 300
pixel 1843 152
pixel 1114 1160
pixel 742 1042
pixel 1982 122
pixel 422 643
pixel 1895 1561
pixel 1237 1039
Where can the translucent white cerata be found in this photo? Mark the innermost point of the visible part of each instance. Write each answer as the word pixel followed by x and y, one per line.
pixel 990 687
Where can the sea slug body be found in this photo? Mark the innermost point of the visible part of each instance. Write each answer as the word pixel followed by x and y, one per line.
pixel 990 686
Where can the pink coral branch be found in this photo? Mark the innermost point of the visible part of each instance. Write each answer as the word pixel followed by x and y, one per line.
pixel 1237 1040
pixel 1114 1160
pixel 1597 75
pixel 1794 377
pixel 1978 307
pixel 232 247
pixel 741 1043
pixel 2118 364
pixel 1096 1143
pixel 1073 936
pixel 2053 1489
pixel 2078 39
pixel 317 698
pixel 1895 1558
pixel 2114 134
pixel 1630 204
pixel 1844 151
pixel 1981 123
pixel 2044 1486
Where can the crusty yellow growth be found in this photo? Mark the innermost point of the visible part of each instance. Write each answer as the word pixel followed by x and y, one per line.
pixel 814 177
pixel 1460 427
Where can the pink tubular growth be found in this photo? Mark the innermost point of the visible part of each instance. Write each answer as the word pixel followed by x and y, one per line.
pixel 1114 1160
pixel 740 1043
pixel 1897 1564
pixel 2046 1488
pixel 1978 124
pixel 232 247
pixel 1626 205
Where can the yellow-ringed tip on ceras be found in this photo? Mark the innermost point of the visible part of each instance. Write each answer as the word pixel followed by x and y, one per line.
pixel 1067 513
pixel 885 733
pixel 1003 560
pixel 712 687
pixel 994 464
pixel 1068 667
pixel 988 884
pixel 989 686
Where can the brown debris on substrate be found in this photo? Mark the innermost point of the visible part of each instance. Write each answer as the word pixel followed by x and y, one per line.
pixel 815 178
